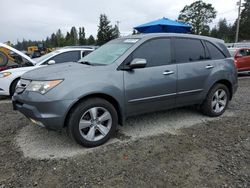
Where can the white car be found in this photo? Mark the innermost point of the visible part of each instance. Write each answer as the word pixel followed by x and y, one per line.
pixel 10 77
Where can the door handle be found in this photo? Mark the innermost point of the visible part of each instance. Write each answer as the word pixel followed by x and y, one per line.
pixel 209 66
pixel 168 72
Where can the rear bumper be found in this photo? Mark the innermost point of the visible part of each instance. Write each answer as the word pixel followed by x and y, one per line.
pixel 49 114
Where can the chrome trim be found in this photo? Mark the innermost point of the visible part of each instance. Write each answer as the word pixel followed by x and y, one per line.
pixel 190 91
pixel 167 95
pixel 153 97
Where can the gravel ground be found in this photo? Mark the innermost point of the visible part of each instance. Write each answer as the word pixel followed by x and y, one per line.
pixel 176 148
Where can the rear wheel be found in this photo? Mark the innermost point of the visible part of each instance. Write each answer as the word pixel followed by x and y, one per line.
pixel 216 101
pixel 3 59
pixel 92 122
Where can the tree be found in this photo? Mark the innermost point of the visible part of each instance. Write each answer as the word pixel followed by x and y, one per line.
pixel 244 33
pixel 223 30
pixel 91 40
pixel 73 36
pixel 116 32
pixel 53 40
pixel 82 38
pixel 59 38
pixel 199 14
pixel 105 30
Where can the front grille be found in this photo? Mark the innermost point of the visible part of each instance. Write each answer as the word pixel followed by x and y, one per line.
pixel 22 85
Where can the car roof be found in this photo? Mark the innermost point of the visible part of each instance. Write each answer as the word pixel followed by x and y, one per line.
pixel 155 35
pixel 217 42
pixel 74 49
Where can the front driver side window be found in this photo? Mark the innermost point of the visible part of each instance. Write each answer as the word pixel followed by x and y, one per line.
pixel 72 56
pixel 157 52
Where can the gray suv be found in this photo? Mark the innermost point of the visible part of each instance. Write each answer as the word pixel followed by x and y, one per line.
pixel 126 77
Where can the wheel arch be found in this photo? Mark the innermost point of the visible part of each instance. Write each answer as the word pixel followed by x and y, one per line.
pixel 13 83
pixel 106 97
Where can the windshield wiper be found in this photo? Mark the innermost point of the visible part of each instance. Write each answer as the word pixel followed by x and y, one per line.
pixel 85 62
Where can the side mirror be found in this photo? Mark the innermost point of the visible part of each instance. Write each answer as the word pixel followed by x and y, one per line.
pixel 51 62
pixel 138 63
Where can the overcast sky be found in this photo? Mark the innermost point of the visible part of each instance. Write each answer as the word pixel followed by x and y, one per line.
pixel 35 20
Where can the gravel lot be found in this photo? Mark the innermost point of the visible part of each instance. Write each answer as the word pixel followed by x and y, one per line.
pixel 176 148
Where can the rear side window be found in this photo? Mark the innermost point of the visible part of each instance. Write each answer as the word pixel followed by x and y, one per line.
pixel 157 52
pixel 188 50
pixel 215 53
pixel 67 57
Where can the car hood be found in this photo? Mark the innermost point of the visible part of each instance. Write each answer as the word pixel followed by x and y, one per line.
pixel 18 52
pixel 60 71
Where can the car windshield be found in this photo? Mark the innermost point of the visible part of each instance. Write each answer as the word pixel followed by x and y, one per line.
pixel 108 53
pixel 41 59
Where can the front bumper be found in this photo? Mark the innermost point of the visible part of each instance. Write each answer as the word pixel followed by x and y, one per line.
pixel 44 112
pixel 4 93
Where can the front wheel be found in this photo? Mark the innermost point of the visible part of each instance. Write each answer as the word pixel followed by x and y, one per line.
pixel 216 101
pixel 92 122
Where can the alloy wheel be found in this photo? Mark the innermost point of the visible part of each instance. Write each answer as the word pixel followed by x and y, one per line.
pixel 219 101
pixel 95 124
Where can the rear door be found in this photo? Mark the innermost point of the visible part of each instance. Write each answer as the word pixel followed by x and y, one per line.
pixel 154 87
pixel 194 68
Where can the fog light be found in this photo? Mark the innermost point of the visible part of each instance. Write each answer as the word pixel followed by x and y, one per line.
pixel 37 122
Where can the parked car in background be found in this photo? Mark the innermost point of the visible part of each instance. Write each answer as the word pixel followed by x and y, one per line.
pixel 241 58
pixel 10 77
pixel 126 77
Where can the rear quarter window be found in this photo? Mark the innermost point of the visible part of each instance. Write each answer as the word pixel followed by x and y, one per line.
pixel 214 52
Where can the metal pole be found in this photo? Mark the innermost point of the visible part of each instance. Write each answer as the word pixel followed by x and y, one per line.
pixel 238 23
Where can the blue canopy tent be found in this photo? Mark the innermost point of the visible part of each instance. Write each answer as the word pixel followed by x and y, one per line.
pixel 164 25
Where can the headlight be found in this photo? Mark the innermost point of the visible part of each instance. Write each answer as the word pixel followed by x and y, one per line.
pixel 42 86
pixel 4 74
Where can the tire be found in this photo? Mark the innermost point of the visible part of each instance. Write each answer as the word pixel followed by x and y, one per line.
pixel 214 106
pixel 99 121
pixel 3 59
pixel 13 87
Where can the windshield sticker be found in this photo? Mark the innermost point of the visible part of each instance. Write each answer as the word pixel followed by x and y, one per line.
pixel 130 40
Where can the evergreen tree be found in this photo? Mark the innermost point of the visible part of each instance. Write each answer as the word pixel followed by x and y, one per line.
pixel 53 39
pixel 73 36
pixel 91 40
pixel 59 38
pixel 244 33
pixel 223 30
pixel 82 38
pixel 116 32
pixel 105 31
pixel 67 39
